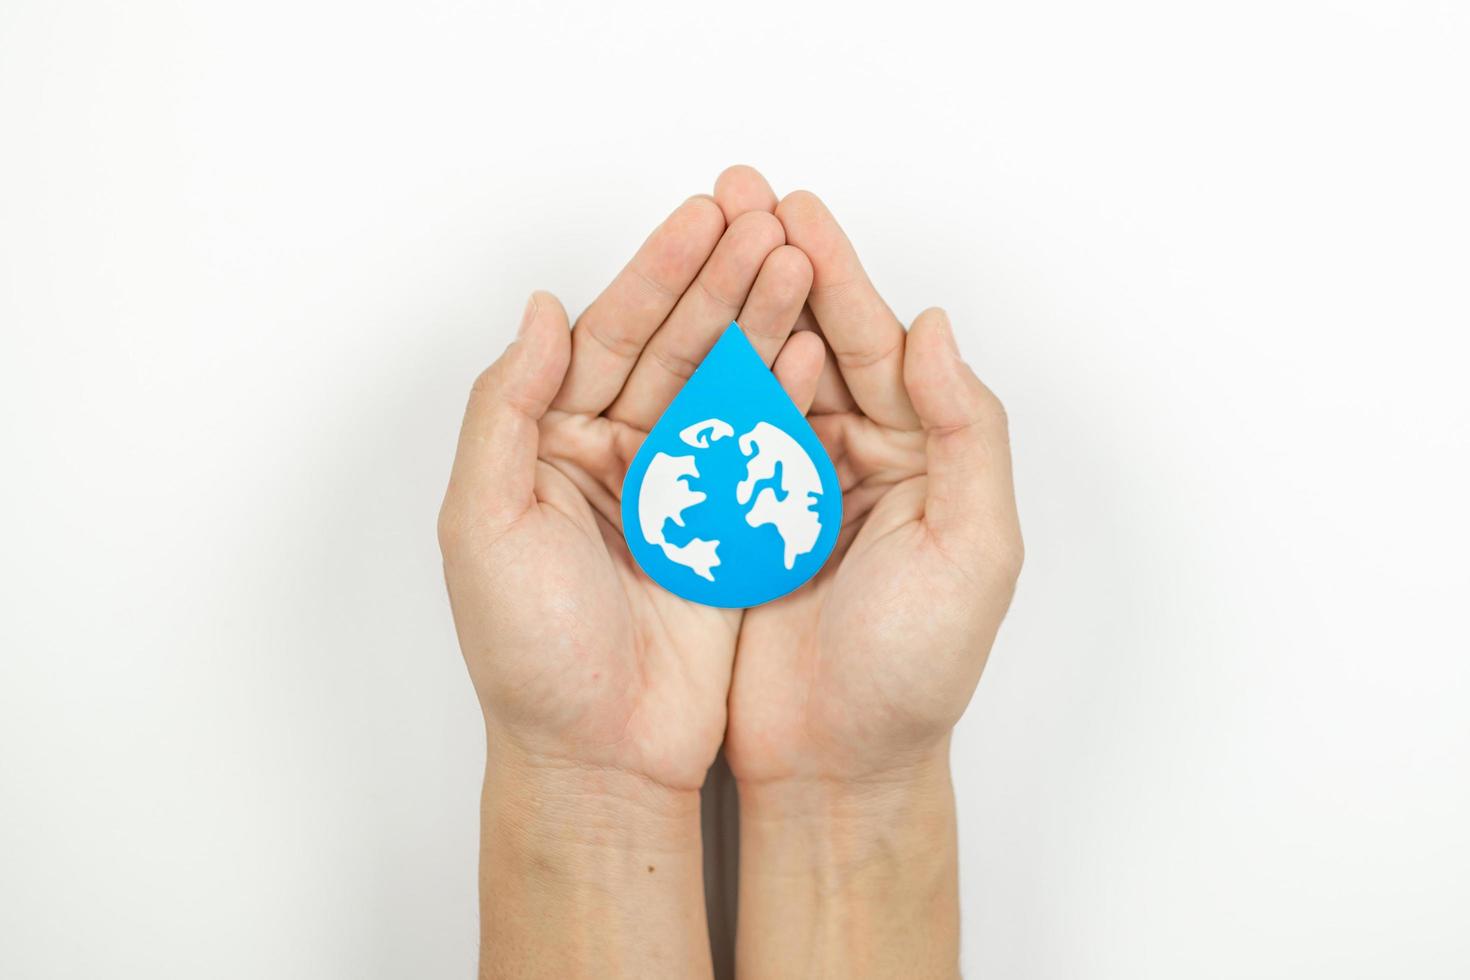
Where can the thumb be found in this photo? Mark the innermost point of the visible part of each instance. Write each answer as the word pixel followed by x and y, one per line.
pixel 494 473
pixel 969 494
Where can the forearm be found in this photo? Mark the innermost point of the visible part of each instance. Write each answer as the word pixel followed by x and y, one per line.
pixel 588 873
pixel 851 880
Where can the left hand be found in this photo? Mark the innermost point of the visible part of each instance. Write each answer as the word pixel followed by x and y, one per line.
pixel 862 672
pixel 844 692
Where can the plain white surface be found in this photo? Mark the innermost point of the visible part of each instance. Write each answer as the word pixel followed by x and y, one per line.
pixel 1214 257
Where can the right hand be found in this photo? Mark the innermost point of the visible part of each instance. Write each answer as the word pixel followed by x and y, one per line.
pixel 580 661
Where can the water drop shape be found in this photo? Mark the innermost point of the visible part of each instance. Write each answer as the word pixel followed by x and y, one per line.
pixel 731 500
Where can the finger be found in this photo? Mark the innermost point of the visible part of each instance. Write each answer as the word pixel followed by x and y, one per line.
pixel 494 470
pixel 832 395
pixel 707 308
pixel 775 301
pixel 966 442
pixel 739 189
pixel 865 337
pixel 611 333
pixel 798 367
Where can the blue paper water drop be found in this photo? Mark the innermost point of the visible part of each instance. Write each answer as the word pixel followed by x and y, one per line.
pixel 731 501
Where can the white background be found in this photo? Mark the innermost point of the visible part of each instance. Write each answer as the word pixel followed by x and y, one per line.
pixel 1215 257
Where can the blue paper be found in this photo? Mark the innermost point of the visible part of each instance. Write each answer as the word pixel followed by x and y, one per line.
pixel 731 501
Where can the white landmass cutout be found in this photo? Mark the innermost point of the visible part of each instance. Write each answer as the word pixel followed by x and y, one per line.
pixel 664 497
pixel 695 435
pixel 665 494
pixel 792 516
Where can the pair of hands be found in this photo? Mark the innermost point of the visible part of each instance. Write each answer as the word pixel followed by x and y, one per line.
pixel 580 660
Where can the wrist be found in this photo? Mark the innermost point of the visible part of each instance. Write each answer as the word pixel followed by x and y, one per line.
pixel 558 804
pixel 855 820
pixel 588 871
pixel 850 877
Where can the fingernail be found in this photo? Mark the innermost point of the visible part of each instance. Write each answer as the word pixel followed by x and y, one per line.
pixel 527 316
pixel 949 337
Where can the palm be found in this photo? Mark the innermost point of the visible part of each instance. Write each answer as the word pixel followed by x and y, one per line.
pixel 873 661
pixel 576 655
pixel 827 675
pixel 637 676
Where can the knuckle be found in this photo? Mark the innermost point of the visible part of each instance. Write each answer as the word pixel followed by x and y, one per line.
pixel 621 343
pixel 714 296
pixel 994 411
pixel 486 381
pixel 449 527
pixel 679 365
pixel 1013 557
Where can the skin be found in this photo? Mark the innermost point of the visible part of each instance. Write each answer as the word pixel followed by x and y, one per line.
pixel 844 692
pixel 606 698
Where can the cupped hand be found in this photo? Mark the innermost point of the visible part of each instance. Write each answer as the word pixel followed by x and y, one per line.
pixel 863 671
pixel 579 660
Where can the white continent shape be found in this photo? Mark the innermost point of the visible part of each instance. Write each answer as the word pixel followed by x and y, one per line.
pixel 665 496
pixel 701 434
pixel 792 516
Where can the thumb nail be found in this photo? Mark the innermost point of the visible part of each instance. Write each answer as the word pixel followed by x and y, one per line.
pixel 947 329
pixel 527 316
